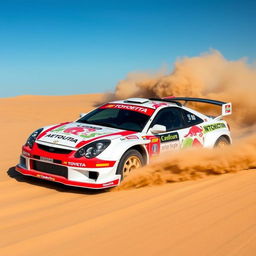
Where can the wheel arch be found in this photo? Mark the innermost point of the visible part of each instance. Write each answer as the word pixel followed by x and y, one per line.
pixel 226 137
pixel 212 138
pixel 142 150
pixel 223 136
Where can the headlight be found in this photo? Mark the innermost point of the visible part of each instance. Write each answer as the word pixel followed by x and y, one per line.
pixel 32 138
pixel 93 149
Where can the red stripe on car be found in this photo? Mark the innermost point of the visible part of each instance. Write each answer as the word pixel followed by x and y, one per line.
pixel 59 179
pixel 50 129
pixel 140 109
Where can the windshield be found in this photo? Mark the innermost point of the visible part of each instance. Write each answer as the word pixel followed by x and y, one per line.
pixel 116 118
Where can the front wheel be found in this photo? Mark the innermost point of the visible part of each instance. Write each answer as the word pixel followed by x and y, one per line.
pixel 132 159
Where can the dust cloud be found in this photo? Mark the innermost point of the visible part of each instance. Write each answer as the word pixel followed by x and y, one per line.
pixel 195 163
pixel 208 76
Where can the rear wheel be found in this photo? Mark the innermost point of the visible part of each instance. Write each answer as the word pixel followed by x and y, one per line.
pixel 221 142
pixel 132 159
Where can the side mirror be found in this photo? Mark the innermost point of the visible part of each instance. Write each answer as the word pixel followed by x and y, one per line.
pixel 158 128
pixel 83 114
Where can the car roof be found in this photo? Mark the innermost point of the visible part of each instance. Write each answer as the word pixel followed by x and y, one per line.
pixel 148 103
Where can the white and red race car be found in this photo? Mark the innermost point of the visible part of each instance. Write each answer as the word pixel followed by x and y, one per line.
pixel 104 146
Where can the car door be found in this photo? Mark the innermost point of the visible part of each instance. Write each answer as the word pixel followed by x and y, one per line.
pixel 192 134
pixel 178 123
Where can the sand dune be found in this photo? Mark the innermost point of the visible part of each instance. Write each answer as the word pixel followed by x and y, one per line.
pixel 210 216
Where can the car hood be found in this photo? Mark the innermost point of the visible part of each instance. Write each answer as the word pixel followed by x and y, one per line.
pixel 77 134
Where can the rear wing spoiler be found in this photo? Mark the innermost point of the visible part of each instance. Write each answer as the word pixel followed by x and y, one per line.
pixel 226 107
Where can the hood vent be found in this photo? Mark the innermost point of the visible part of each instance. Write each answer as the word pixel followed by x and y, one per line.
pixel 136 100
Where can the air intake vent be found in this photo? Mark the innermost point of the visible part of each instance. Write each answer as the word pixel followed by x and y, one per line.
pixel 136 100
pixel 93 175
pixel 50 168
pixel 54 150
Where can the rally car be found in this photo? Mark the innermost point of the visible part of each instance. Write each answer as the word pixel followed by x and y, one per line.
pixel 102 147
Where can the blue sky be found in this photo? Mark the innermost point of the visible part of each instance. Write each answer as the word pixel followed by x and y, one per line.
pixel 63 47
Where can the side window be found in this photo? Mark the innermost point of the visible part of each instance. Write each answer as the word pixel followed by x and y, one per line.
pixel 191 119
pixel 172 118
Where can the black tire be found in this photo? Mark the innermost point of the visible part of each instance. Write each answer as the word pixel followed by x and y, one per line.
pixel 221 142
pixel 133 157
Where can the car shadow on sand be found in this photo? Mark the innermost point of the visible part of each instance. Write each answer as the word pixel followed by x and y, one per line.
pixel 12 173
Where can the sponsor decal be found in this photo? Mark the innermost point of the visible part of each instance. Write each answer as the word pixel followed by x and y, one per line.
pixel 81 129
pixel 212 127
pixel 130 137
pixel 194 131
pixel 45 177
pixel 143 110
pixel 86 132
pixel 194 137
pixel 228 108
pixel 46 159
pixel 153 145
pixel 155 148
pixel 154 140
pixel 92 135
pixel 174 145
pixel 77 130
pixel 191 142
pixel 59 129
pixel 108 184
pixel 169 137
pixel 158 104
pixel 75 164
pixel 61 137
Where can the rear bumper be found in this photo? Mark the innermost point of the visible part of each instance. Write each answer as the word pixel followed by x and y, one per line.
pixel 63 180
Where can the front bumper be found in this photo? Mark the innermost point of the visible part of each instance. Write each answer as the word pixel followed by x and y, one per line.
pixel 69 175
pixel 55 178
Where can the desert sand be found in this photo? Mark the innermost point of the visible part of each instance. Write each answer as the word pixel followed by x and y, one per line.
pixel 215 215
